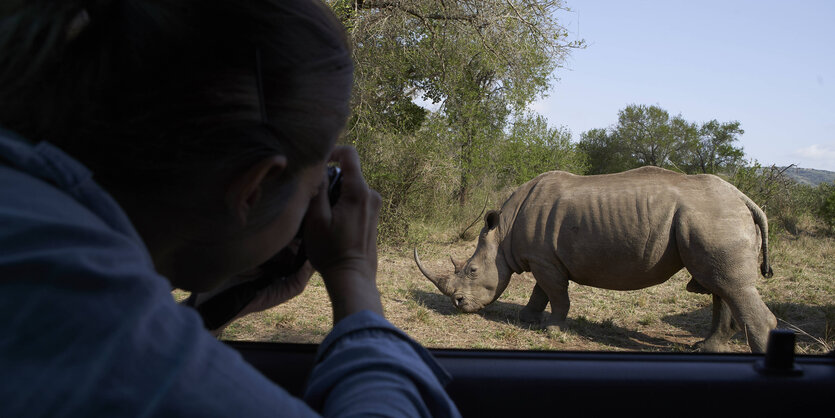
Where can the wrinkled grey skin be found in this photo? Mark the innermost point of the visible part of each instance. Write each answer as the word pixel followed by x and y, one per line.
pixel 622 231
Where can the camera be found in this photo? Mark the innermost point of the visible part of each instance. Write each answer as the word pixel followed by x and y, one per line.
pixel 334 183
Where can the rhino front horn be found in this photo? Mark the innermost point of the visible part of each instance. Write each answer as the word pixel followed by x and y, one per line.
pixel 441 282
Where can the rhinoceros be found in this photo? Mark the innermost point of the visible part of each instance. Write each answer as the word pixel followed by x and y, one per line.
pixel 623 231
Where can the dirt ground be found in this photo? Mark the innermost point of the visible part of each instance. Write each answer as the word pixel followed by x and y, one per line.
pixel 664 318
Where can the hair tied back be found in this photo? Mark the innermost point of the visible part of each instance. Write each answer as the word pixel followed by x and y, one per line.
pixel 77 24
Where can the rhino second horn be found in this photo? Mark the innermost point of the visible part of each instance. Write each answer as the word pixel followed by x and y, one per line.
pixel 457 264
pixel 441 282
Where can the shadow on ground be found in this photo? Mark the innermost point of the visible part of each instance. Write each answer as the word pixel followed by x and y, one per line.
pixel 816 323
pixel 600 332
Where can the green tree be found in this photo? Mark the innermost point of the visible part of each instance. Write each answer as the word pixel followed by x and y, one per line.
pixel 477 60
pixel 684 136
pixel 532 148
pixel 477 116
pixel 712 150
pixel 604 152
pixel 648 134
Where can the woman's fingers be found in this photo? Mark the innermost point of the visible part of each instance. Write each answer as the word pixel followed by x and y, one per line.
pixel 347 232
pixel 353 183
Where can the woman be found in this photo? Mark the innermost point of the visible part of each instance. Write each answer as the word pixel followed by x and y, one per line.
pixel 150 145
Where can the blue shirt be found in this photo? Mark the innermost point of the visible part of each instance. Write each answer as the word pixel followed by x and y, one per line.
pixel 88 328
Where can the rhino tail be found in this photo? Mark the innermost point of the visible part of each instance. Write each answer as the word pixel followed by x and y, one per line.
pixel 762 222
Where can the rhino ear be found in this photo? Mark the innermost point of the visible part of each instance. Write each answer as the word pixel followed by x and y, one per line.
pixel 491 219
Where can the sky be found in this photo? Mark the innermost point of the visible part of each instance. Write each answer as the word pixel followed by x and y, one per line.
pixel 768 64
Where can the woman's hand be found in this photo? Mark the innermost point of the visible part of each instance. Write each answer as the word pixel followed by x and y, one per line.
pixel 341 241
pixel 280 290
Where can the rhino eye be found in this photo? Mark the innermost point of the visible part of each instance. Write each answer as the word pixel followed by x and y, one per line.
pixel 473 269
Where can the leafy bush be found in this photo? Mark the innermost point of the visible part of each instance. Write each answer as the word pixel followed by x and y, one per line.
pixel 410 170
pixel 826 205
pixel 785 201
pixel 532 148
pixel 764 185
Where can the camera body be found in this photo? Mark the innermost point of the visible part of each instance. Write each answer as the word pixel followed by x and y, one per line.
pixel 334 183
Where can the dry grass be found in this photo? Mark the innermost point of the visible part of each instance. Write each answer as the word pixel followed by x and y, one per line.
pixel 661 318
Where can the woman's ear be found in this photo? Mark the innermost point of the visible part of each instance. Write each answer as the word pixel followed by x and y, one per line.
pixel 246 189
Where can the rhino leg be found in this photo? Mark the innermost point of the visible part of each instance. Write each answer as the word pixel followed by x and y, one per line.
pixel 733 284
pixel 738 309
pixel 723 328
pixel 553 280
pixel 722 254
pixel 750 311
pixel 533 312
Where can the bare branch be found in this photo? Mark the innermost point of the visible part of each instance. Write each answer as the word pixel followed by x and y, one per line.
pixel 396 5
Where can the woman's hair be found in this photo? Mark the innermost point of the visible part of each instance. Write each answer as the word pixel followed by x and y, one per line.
pixel 159 97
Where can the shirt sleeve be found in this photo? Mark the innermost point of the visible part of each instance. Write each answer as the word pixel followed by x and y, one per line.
pixel 366 366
